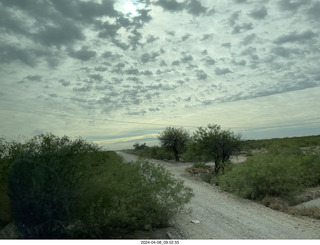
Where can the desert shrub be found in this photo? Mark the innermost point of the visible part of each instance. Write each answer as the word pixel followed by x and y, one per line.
pixel 155 152
pixel 265 175
pixel 208 177
pixel 162 153
pixel 132 196
pixel 137 146
pixel 45 184
pixel 62 188
pixel 290 145
pixel 312 170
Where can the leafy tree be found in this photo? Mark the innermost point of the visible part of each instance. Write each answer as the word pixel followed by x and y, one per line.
pixel 137 146
pixel 216 144
pixel 174 139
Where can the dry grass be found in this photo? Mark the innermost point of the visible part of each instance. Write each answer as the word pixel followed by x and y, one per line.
pixel 197 170
pixel 313 212
pixel 283 206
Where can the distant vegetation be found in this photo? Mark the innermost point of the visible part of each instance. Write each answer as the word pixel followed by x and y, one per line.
pixel 275 168
pixel 63 188
pixel 206 144
pixel 55 187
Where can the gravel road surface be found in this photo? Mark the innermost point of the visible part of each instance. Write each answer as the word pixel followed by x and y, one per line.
pixel 224 216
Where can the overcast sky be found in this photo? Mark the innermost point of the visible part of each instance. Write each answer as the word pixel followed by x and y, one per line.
pixel 119 72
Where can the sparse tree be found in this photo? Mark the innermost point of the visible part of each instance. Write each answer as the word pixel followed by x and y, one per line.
pixel 174 139
pixel 216 144
pixel 137 146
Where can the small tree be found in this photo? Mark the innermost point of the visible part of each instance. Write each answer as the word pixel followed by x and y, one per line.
pixel 216 144
pixel 174 139
pixel 137 146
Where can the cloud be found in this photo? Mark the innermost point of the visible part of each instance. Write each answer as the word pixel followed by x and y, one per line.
pixel 10 53
pixel 100 68
pixel 121 45
pixel 107 30
pixel 240 1
pixel 175 63
pixel 83 54
pixel 96 77
pixel 11 23
pixel 147 73
pixel 170 5
pixel 259 14
pixel 239 63
pixel 185 37
pixel 289 5
pixel 222 71
pixel 234 17
pixel 82 89
pixel 187 58
pixel 226 45
pixel 132 71
pixel 36 78
pixel 241 28
pixel 296 37
pixel 62 33
pixel 208 61
pixel 151 39
pixel 283 52
pixel 201 75
pixel 146 57
pixel 91 60
pixel 64 83
pixel 314 10
pixel 85 11
pixel 206 37
pixel 248 39
pixel 194 7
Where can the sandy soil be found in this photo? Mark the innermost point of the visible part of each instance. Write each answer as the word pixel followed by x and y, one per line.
pixel 214 214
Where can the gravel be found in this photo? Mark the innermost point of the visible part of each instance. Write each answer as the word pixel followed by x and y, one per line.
pixel 224 216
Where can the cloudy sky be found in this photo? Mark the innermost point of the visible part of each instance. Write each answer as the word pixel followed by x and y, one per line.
pixel 119 72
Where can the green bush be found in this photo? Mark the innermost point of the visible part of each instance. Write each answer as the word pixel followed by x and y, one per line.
pixel 131 196
pixel 266 175
pixel 45 184
pixel 61 188
pixel 154 152
pixel 312 172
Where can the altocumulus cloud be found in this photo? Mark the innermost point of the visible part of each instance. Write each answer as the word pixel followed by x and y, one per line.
pixel 99 67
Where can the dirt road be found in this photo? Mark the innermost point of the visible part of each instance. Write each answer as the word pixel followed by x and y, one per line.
pixel 224 216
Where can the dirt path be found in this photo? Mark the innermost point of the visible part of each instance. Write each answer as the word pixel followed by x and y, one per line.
pixel 224 216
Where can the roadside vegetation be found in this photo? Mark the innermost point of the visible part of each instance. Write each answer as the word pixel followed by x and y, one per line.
pixel 276 171
pixel 206 144
pixel 56 187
